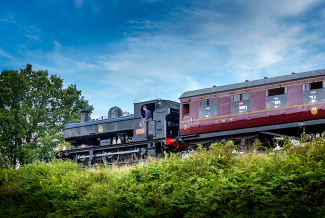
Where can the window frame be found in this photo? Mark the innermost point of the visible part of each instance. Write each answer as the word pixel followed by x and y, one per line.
pixel 285 89
pixel 185 116
pixel 207 105
pixel 305 90
pixel 241 97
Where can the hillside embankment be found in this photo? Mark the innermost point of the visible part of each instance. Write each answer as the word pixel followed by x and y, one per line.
pixel 215 183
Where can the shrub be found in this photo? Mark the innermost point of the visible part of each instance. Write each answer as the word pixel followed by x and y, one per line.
pixel 214 183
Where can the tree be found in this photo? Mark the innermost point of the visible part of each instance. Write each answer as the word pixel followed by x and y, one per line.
pixel 126 113
pixel 34 108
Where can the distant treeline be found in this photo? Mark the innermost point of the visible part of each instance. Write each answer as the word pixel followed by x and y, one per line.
pixel 217 183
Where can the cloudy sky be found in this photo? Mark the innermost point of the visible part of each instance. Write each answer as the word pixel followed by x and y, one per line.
pixel 120 52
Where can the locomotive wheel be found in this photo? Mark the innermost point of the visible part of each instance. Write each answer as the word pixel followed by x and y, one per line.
pixel 144 156
pixel 113 158
pixel 136 156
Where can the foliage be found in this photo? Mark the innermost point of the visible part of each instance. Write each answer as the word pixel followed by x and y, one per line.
pixel 34 107
pixel 126 113
pixel 64 146
pixel 214 183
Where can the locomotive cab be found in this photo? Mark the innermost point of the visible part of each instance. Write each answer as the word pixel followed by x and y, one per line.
pixel 165 120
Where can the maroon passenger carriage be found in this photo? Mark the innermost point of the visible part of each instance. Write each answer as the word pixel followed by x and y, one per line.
pixel 260 109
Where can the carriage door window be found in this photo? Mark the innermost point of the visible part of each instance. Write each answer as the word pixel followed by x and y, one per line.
pixel 186 111
pixel 241 103
pixel 313 92
pixel 276 98
pixel 208 108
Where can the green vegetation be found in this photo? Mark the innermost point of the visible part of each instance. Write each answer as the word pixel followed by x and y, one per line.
pixel 34 108
pixel 214 183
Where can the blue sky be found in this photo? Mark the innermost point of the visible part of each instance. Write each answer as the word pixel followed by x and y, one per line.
pixel 120 52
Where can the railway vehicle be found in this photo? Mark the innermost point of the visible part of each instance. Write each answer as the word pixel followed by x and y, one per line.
pixel 243 112
pixel 122 139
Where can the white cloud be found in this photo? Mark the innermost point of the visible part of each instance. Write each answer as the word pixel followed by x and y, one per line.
pixel 33 33
pixel 5 54
pixel 56 44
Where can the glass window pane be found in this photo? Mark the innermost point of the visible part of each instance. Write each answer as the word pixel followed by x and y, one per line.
pixel 212 101
pixel 240 107
pixel 246 96
pixel 313 96
pixel 209 111
pixel 236 97
pixel 204 102
pixel 159 105
pixel 276 101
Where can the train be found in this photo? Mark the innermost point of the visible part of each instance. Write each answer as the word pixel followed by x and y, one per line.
pixel 287 105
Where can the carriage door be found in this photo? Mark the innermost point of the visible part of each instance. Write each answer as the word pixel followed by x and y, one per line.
pixel 185 118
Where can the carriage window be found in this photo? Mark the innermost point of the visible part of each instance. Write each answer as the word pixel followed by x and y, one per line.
pixel 313 92
pixel 241 97
pixel 204 102
pixel 245 96
pixel 276 101
pixel 241 103
pixel 240 106
pixel 276 98
pixel 208 108
pixel 277 91
pixel 311 86
pixel 186 110
pixel 212 101
pixel 236 98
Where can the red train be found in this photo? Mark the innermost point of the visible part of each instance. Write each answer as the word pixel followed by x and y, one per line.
pixel 261 109
pixel 244 112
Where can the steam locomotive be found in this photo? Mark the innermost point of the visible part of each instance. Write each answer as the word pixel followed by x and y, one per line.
pixel 243 112
pixel 122 139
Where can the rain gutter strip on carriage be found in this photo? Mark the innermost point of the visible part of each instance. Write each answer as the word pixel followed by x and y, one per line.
pixel 252 84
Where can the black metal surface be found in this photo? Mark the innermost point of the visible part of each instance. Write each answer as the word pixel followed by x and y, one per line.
pixel 114 139
pixel 115 112
pixel 84 115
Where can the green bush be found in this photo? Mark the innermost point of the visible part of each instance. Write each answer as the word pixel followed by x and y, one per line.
pixel 213 183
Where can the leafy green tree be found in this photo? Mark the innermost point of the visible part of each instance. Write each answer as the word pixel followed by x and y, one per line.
pixel 34 108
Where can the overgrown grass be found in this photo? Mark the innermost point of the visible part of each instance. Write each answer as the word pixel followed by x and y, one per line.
pixel 214 183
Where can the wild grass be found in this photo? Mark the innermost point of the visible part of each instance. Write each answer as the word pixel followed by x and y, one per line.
pixel 217 183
